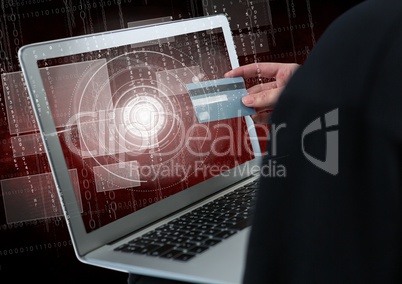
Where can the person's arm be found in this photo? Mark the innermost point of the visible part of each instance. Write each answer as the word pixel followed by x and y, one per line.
pixel 263 97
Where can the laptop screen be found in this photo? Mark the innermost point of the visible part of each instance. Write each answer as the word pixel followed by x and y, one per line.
pixel 132 133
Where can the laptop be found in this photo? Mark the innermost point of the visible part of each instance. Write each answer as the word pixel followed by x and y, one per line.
pixel 155 172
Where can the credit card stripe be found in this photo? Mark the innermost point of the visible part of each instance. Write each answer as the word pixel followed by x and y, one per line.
pixel 216 89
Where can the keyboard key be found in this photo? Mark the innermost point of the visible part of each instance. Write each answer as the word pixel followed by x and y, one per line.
pixel 240 225
pixel 180 240
pixel 148 248
pixel 171 254
pixel 211 242
pixel 198 249
pixel 211 232
pixel 184 256
pixel 185 246
pixel 129 249
pixel 192 234
pixel 205 227
pixel 140 242
pixel 225 225
pixel 165 240
pixel 199 239
pixel 161 250
pixel 225 234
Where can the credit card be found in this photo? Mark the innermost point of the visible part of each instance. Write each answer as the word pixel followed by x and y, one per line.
pixel 219 99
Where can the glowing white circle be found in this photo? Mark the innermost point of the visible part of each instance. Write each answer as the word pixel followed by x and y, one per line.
pixel 144 116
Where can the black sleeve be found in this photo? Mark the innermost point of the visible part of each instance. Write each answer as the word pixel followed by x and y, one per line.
pixel 329 205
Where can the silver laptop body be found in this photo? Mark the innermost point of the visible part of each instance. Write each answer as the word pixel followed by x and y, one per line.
pixel 125 146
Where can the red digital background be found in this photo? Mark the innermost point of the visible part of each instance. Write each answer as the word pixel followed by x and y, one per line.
pixel 34 242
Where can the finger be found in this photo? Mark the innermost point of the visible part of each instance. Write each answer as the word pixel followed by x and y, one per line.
pixel 286 73
pixel 262 118
pixel 265 69
pixel 262 87
pixel 262 100
pixel 265 108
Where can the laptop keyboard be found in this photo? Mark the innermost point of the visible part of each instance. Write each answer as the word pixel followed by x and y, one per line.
pixel 193 233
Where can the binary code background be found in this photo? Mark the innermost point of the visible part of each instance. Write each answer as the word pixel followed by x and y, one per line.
pixel 34 241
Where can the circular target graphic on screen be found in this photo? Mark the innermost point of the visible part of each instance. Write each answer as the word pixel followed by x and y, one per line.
pixel 134 117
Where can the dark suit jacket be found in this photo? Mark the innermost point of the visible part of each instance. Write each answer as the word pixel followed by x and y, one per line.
pixel 336 216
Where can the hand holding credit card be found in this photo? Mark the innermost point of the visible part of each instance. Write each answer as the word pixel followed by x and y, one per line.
pixel 219 99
